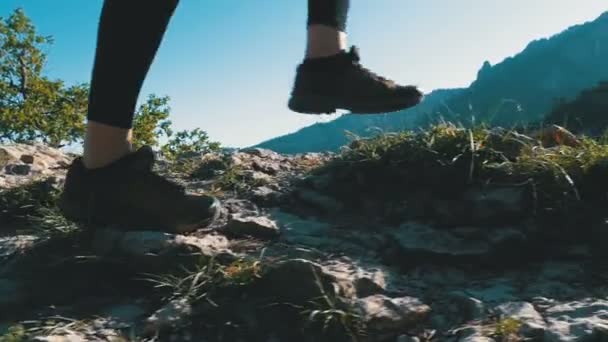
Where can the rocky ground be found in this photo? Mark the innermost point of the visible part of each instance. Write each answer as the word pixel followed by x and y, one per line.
pixel 291 261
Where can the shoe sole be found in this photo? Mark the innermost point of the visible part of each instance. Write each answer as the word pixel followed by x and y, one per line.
pixel 314 104
pixel 75 211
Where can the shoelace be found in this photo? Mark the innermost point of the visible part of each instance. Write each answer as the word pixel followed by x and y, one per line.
pixel 355 58
pixel 166 184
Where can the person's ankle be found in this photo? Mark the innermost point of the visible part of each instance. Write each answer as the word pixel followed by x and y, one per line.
pixel 97 159
pixel 105 145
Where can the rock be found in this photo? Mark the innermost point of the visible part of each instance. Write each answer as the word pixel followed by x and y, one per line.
pixel 533 325
pixel 314 233
pixel 11 295
pixel 10 245
pixel 497 204
pixel 485 206
pixel 470 308
pixel 586 319
pixel 354 280
pixel 69 337
pixel 210 166
pixel 270 168
pixel 241 207
pixel 27 158
pixel 555 135
pixel 406 338
pixel 471 334
pixel 296 281
pixel 152 250
pixel 253 226
pixel 325 203
pixel 385 314
pixel 258 178
pixel 265 195
pixel 262 153
pixel 18 169
pixel 124 315
pixel 171 315
pixel 42 157
pixel 417 239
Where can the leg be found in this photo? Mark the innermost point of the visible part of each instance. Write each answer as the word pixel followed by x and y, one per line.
pixel 130 32
pixel 332 78
pixel 111 184
pixel 326 27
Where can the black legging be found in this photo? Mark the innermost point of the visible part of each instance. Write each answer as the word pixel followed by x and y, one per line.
pixel 130 32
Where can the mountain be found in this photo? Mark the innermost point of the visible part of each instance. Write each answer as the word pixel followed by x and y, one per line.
pixel 525 87
pixel 584 115
pixel 522 88
pixel 330 136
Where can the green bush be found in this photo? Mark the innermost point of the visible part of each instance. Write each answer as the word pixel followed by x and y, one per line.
pixel 33 107
pixel 36 108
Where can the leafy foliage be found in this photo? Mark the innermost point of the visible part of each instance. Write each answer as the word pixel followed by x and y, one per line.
pixel 151 121
pixel 36 108
pixel 186 142
pixel 33 107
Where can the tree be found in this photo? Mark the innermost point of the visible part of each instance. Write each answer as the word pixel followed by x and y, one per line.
pixel 151 121
pixel 189 142
pixel 33 107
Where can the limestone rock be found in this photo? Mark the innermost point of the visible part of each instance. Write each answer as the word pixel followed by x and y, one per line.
pixel 585 319
pixel 384 314
pixel 315 199
pixel 18 169
pixel 414 238
pixel 355 280
pixel 297 281
pixel 253 226
pixel 10 295
pixel 533 325
pixel 469 308
pixel 171 315
pixel 151 251
pixel 27 158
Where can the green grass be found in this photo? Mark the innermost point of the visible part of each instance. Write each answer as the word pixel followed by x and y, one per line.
pixel 507 328
pixel 33 208
pixel 446 160
pixel 15 333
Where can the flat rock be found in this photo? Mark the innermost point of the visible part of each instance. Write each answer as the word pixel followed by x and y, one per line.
pixel 153 251
pixel 586 319
pixel 253 226
pixel 297 281
pixel 170 315
pixel 468 242
pixel 10 245
pixel 533 325
pixel 317 200
pixel 355 280
pixel 386 314
pixel 18 169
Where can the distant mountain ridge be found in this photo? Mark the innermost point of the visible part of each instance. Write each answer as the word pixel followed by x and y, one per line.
pixel 330 136
pixel 522 88
pixel 525 87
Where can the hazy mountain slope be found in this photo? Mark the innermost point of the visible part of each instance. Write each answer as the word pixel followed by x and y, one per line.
pixel 330 136
pixel 525 87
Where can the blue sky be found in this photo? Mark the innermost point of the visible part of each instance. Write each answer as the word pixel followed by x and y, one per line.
pixel 228 65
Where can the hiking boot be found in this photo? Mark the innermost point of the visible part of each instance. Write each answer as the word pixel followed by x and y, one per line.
pixel 324 85
pixel 128 193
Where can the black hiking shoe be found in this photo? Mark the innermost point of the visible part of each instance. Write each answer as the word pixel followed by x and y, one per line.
pixel 128 193
pixel 324 85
